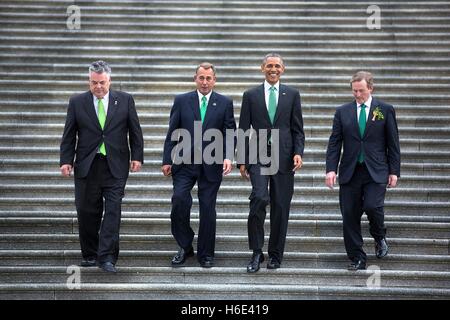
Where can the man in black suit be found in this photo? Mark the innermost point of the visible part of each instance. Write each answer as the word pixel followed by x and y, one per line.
pixel 274 111
pixel 194 115
pixel 370 162
pixel 97 124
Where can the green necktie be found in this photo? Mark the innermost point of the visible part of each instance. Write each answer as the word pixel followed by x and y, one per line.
pixel 362 128
pixel 203 108
pixel 272 103
pixel 101 120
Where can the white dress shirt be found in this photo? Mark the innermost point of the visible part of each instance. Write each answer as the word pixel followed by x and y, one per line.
pixel 200 96
pixel 267 87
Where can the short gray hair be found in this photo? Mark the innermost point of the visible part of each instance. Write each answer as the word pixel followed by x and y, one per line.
pixel 272 55
pixel 363 75
pixel 206 66
pixel 100 67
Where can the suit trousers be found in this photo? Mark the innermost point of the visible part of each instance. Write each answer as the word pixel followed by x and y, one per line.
pixel 183 182
pixel 361 194
pixel 279 197
pixel 99 238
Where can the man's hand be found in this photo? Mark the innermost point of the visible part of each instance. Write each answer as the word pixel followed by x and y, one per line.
pixel 297 162
pixel 135 166
pixel 166 170
pixel 227 167
pixel 392 183
pixel 66 170
pixel 330 179
pixel 244 172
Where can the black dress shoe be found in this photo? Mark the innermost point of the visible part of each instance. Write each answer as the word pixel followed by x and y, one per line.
pixel 207 262
pixel 256 260
pixel 357 265
pixel 90 262
pixel 181 256
pixel 273 263
pixel 108 267
pixel 381 248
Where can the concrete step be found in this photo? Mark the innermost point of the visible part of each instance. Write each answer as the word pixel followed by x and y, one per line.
pixel 365 62
pixel 297 227
pixel 162 119
pixel 168 87
pixel 238 192
pixel 235 258
pixel 309 98
pixel 155 154
pixel 226 275
pixel 212 292
pixel 428 173
pixel 149 41
pixel 152 203
pixel 223 242
pixel 49 134
pixel 329 216
pixel 151 175
pixel 309 71
pixel 154 139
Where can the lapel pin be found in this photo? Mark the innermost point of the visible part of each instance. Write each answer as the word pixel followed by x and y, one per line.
pixel 115 103
pixel 214 104
pixel 284 93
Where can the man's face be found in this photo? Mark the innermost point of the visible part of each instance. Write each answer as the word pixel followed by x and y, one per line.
pixel 360 91
pixel 205 80
pixel 99 84
pixel 273 69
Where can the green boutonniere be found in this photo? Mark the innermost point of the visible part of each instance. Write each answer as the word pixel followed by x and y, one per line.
pixel 377 114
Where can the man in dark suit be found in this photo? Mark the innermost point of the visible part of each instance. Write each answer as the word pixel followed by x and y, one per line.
pixel 274 111
pixel 97 125
pixel 370 162
pixel 194 115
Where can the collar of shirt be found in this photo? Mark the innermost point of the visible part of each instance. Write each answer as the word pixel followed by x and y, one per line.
pixel 267 91
pixel 105 103
pixel 367 104
pixel 200 96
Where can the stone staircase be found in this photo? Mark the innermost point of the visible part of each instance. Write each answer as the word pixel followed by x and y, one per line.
pixel 153 48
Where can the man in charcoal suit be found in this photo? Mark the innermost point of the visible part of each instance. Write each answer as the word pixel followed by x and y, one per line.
pixel 273 110
pixel 102 129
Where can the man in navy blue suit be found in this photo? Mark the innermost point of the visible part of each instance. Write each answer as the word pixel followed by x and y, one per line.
pixel 201 112
pixel 102 142
pixel 370 162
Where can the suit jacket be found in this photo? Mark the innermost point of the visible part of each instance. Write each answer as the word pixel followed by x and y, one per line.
pixel 380 143
pixel 83 134
pixel 185 110
pixel 288 120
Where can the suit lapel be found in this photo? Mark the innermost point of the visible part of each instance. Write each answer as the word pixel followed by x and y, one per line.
pixel 369 118
pixel 90 109
pixel 113 104
pixel 355 121
pixel 211 109
pixel 195 106
pixel 261 96
pixel 281 100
